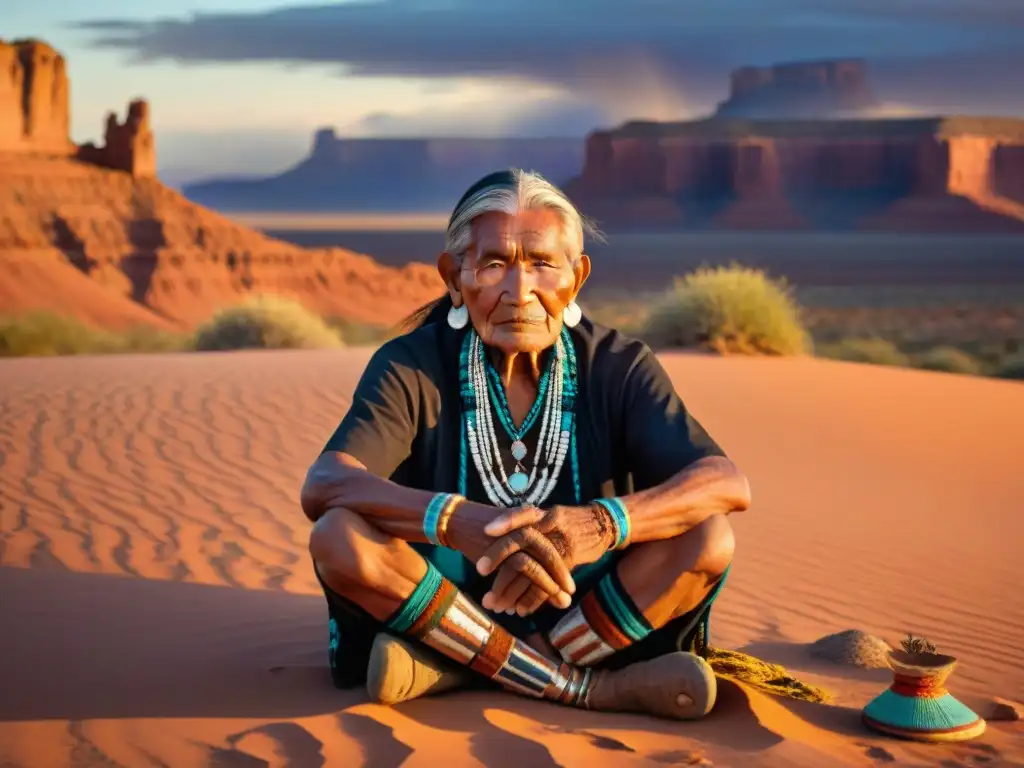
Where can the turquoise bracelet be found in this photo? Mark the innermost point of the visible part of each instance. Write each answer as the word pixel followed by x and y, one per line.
pixel 620 517
pixel 432 516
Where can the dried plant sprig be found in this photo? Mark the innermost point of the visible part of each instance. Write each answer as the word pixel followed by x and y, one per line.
pixel 914 644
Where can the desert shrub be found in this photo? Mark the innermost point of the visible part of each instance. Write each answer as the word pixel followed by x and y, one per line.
pixel 41 334
pixel 146 339
pixel 948 360
pixel 266 322
pixel 1011 368
pixel 868 350
pixel 357 334
pixel 728 310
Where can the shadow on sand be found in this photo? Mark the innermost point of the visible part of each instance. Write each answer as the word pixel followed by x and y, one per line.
pixel 82 646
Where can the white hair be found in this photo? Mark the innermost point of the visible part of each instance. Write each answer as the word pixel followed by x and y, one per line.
pixel 530 191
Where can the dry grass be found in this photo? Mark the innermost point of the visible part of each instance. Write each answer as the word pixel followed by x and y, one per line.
pixel 966 330
pixel 360 334
pixel 948 360
pixel 266 322
pixel 1011 367
pixel 728 310
pixel 46 334
pixel 871 350
pixel 956 328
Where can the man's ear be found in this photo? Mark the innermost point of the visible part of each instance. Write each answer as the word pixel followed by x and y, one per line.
pixel 450 273
pixel 581 271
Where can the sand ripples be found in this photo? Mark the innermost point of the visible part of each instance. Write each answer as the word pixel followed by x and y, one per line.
pixel 166 467
pixel 165 612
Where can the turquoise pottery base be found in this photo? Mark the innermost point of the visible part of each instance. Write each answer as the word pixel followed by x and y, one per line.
pixel 924 719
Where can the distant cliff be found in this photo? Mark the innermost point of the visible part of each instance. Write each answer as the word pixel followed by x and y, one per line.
pixel 418 174
pixel 809 90
pixel 936 174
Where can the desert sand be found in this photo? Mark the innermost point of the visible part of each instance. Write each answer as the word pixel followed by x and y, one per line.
pixel 158 607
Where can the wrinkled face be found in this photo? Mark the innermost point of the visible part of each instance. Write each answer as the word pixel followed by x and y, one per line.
pixel 520 272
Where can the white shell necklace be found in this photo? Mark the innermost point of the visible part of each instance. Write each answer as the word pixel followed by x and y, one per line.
pixel 556 426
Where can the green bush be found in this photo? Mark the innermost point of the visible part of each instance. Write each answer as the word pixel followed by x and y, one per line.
pixel 266 322
pixel 871 350
pixel 728 310
pixel 948 360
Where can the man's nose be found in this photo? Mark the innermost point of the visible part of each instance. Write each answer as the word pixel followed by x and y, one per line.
pixel 518 284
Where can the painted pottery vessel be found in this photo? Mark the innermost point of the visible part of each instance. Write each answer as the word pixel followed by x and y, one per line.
pixel 918 706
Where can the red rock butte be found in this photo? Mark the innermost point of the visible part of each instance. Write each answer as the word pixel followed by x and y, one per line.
pixel 35 116
pixel 90 232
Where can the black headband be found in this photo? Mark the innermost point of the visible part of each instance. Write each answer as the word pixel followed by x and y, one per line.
pixel 505 178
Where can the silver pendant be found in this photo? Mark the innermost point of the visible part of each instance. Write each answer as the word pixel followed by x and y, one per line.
pixel 518 450
pixel 518 481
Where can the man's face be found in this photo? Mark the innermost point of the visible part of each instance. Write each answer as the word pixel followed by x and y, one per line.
pixel 520 273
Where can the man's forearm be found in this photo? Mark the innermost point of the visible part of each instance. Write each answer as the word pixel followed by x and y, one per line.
pixel 708 487
pixel 337 480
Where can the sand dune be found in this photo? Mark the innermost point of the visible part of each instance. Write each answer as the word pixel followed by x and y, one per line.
pixel 158 607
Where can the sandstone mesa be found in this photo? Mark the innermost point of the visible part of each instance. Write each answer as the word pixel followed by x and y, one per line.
pixel 775 157
pixel 926 174
pixel 796 146
pixel 89 231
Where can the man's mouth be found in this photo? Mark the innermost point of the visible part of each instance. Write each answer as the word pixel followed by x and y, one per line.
pixel 522 321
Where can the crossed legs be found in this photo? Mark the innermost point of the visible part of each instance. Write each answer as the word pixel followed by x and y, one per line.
pixel 652 584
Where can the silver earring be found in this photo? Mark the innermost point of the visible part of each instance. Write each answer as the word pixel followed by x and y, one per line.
pixel 572 314
pixel 458 317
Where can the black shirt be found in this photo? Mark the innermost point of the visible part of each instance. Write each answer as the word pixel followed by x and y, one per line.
pixel 632 430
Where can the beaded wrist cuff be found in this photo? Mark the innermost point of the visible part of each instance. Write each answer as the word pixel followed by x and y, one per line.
pixel 435 519
pixel 620 517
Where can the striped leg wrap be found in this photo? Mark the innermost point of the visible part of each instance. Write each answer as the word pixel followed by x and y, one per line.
pixel 605 621
pixel 440 616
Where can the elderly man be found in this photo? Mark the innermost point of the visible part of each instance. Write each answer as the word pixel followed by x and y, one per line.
pixel 517 494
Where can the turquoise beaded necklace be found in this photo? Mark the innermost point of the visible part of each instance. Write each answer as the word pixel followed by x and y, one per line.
pixel 497 394
pixel 475 396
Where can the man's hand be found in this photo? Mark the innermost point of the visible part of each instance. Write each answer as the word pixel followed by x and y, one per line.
pixel 579 535
pixel 542 568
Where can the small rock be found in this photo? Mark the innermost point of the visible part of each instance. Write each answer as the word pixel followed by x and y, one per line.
pixel 853 648
pixel 1004 710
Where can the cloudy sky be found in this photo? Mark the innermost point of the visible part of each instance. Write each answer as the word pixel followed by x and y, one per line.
pixel 240 85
